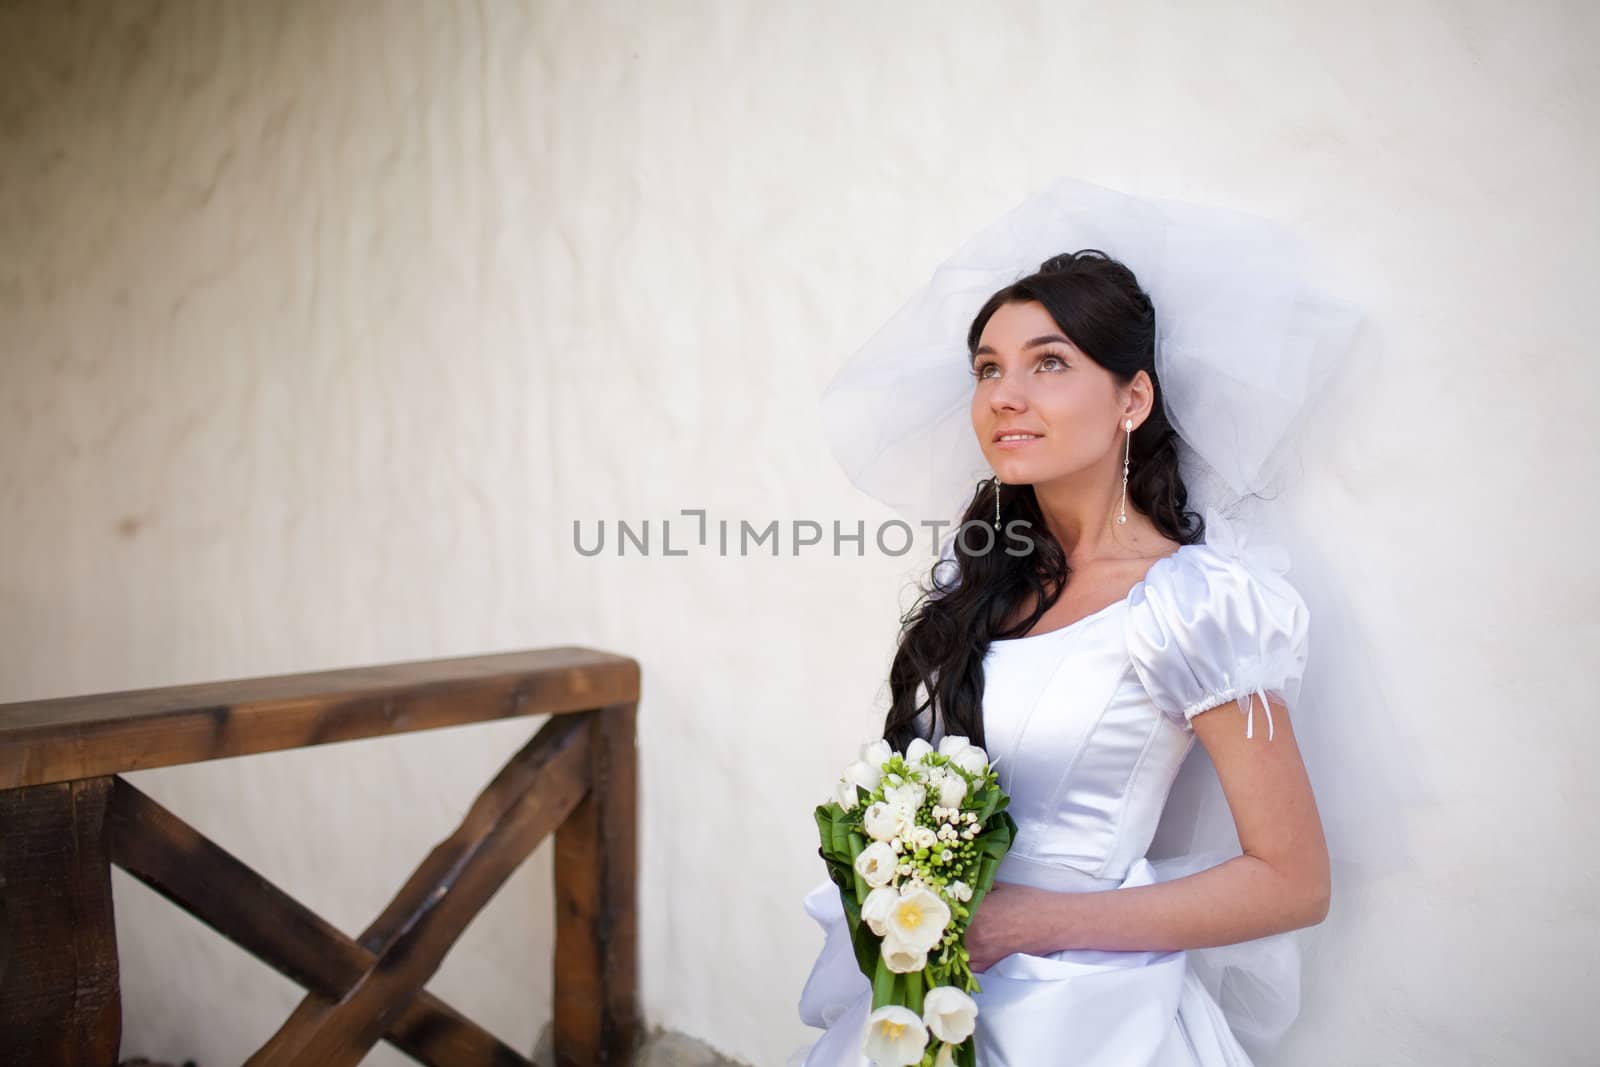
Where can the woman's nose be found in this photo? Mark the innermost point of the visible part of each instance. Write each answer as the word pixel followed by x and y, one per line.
pixel 1006 396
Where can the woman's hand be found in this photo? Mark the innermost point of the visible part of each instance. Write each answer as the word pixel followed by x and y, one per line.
pixel 1010 918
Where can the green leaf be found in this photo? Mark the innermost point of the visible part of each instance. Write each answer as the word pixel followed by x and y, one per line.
pixel 868 948
pixel 858 844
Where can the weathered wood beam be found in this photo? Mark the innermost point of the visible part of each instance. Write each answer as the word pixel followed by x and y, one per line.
pixel 60 996
pixel 596 1021
pixel 111 733
pixel 193 872
pixel 530 797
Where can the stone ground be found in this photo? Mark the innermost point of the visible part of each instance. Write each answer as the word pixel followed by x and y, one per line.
pixel 662 1048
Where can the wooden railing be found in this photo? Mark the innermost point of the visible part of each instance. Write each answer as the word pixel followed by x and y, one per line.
pixel 66 816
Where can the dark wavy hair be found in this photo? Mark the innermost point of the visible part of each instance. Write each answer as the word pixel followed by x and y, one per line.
pixel 938 668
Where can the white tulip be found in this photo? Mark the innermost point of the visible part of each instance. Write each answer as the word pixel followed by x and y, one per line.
pixel 909 796
pixel 949 1013
pixel 875 909
pixel 952 790
pixel 876 753
pixel 917 750
pixel 971 759
pixel 949 746
pixel 845 794
pixel 895 1037
pixel 900 957
pixel 881 821
pixel 918 919
pixel 876 864
pixel 865 775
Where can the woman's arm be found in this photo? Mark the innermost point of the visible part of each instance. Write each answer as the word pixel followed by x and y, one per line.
pixel 1281 882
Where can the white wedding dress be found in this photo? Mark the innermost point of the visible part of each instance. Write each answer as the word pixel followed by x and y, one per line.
pixel 1088 725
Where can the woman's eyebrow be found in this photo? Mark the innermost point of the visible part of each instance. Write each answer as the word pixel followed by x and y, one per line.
pixel 985 350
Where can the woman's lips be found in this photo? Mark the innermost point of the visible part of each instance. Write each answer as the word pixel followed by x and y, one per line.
pixel 1015 442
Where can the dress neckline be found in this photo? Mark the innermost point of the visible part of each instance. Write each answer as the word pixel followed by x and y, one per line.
pixel 1095 614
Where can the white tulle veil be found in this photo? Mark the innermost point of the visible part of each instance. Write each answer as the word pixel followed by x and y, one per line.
pixel 1245 347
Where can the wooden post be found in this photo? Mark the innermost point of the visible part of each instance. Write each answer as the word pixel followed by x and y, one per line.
pixel 596 889
pixel 60 998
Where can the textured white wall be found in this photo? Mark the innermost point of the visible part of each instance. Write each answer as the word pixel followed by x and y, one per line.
pixel 320 323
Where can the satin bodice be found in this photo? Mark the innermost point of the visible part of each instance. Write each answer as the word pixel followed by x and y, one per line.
pixel 1085 756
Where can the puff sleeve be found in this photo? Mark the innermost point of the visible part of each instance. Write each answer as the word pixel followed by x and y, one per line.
pixel 1214 623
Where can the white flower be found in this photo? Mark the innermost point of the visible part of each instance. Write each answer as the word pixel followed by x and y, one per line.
pixel 845 794
pixel 866 775
pixel 952 790
pixel 900 957
pixel 922 837
pixel 917 750
pixel 949 1013
pixel 918 919
pixel 959 891
pixel 971 759
pixel 949 746
pixel 944 857
pixel 876 864
pixel 909 796
pixel 946 1056
pixel 895 1037
pixel 876 753
pixel 875 909
pixel 881 821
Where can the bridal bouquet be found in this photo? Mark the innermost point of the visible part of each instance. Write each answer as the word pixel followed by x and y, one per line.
pixel 913 841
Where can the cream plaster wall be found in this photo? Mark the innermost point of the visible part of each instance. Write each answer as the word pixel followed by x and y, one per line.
pixel 321 322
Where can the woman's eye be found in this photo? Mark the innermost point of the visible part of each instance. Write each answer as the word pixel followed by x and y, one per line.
pixel 1053 363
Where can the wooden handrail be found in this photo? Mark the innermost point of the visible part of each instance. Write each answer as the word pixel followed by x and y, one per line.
pixel 67 738
pixel 65 818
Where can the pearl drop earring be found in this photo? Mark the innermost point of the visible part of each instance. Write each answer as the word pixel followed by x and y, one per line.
pixel 996 480
pixel 1122 515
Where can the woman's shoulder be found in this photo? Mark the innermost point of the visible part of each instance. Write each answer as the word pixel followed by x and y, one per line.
pixel 1214 620
pixel 1203 583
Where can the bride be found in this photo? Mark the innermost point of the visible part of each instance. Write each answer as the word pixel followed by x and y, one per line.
pixel 1136 621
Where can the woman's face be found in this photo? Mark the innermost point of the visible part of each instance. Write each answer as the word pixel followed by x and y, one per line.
pixel 1029 379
